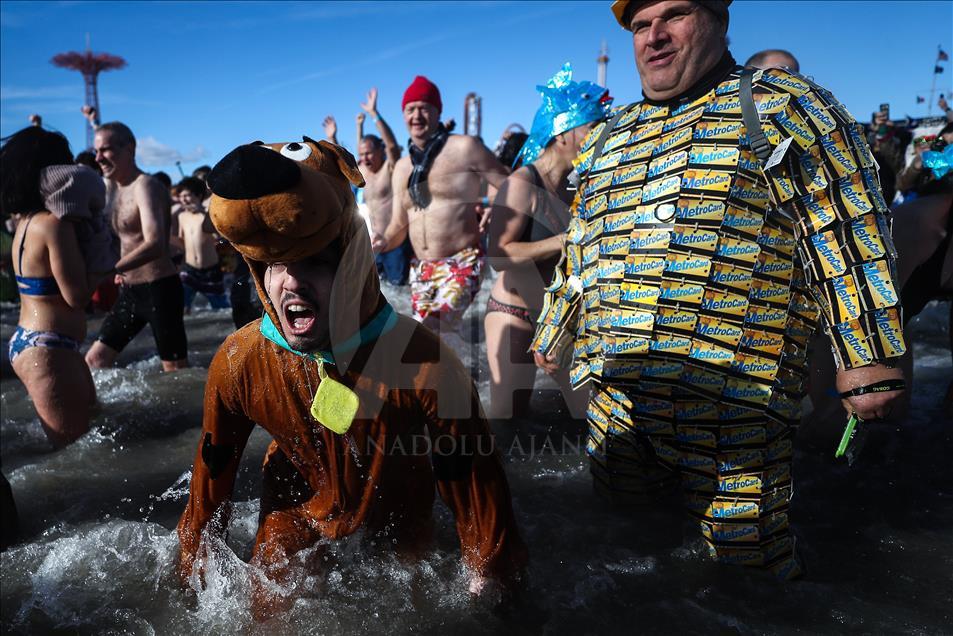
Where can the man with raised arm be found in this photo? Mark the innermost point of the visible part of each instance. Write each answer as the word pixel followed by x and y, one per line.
pixel 151 292
pixel 376 157
pixel 439 201
pixel 716 223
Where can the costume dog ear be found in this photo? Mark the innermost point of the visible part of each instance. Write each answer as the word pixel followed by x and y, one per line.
pixel 344 159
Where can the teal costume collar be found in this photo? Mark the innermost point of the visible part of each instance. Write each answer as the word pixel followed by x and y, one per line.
pixel 381 323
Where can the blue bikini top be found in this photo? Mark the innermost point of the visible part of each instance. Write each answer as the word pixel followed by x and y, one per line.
pixel 34 285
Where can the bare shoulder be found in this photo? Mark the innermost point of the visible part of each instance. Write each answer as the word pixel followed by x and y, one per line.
pixel 44 224
pixel 464 144
pixel 150 186
pixel 522 174
pixel 403 166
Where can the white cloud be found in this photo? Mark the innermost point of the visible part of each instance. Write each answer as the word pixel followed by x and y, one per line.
pixel 152 152
pixel 42 92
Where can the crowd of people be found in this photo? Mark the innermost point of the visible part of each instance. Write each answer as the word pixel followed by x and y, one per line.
pixel 665 261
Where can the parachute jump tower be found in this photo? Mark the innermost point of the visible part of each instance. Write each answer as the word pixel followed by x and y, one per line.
pixel 90 65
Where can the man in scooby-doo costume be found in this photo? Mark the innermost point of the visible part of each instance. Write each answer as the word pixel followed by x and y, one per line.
pixel 699 258
pixel 347 388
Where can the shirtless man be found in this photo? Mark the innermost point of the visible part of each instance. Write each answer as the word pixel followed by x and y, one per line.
pixel 201 271
pixel 376 157
pixel 151 292
pixel 437 200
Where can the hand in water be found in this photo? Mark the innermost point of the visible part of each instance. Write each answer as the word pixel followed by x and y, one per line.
pixel 477 584
pixel 870 405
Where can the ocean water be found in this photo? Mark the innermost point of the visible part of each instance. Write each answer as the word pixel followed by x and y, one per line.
pixel 98 542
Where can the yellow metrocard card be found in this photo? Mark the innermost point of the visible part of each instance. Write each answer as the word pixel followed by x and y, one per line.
pixel 720 330
pixel 817 112
pixel 851 344
pixel 877 290
pixel 771 103
pixel 764 342
pixel 675 320
pixel 640 267
pixel 676 292
pixel 684 119
pixel 717 131
pixel 740 250
pixel 667 163
pixel 713 155
pixel 753 366
pixel 853 195
pixel 724 304
pixel 838 154
pixel 706 181
pixel 888 340
pixel 667 344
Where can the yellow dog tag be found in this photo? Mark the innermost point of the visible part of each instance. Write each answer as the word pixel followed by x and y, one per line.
pixel 334 404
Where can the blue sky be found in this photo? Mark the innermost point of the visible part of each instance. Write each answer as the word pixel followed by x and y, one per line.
pixel 204 77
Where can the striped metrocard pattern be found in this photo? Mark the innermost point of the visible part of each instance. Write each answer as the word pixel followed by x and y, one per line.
pixel 693 280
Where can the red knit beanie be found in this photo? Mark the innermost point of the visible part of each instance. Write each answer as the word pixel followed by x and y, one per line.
pixel 422 90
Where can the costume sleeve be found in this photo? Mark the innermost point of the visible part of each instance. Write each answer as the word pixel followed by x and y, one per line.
pixel 469 472
pixel 225 431
pixel 558 322
pixel 826 181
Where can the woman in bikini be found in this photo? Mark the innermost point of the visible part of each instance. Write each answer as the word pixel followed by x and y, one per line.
pixel 51 278
pixel 529 218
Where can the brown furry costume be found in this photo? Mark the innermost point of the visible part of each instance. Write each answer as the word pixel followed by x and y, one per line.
pixel 286 202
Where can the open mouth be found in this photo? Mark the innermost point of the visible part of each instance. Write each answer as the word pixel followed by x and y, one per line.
pixel 299 316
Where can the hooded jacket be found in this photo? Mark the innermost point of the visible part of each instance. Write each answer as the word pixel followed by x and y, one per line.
pixel 419 426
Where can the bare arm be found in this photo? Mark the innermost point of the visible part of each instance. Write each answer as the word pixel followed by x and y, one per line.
pixel 510 213
pixel 331 130
pixel 151 201
pixel 396 231
pixel 360 132
pixel 66 261
pixel 387 135
pixel 485 164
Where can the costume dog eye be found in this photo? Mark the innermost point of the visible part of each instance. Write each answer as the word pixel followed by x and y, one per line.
pixel 296 151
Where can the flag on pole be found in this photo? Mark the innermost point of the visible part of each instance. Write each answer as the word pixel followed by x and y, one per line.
pixel 937 69
pixel 920 100
pixel 942 56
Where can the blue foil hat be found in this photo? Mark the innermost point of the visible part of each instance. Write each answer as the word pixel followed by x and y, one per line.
pixel 566 105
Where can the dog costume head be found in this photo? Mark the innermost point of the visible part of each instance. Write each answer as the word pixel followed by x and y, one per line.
pixel 283 202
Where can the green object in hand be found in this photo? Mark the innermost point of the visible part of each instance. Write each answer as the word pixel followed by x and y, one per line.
pixel 852 440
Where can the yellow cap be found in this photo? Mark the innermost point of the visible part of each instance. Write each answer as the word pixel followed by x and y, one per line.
pixel 720 7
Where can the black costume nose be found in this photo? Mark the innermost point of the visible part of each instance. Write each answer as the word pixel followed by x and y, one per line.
pixel 252 171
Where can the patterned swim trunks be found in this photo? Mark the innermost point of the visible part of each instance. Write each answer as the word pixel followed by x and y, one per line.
pixel 441 289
